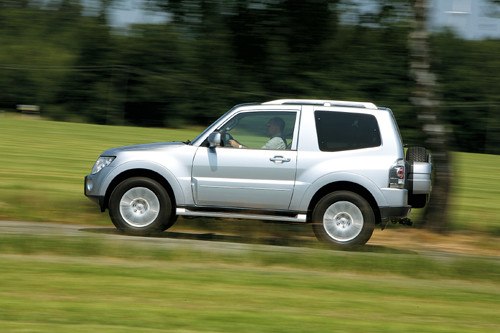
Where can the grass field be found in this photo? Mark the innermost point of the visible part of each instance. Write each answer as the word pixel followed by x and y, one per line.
pixel 87 284
pixel 44 162
pixel 82 285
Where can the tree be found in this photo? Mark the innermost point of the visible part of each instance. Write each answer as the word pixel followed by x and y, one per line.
pixel 86 93
pixel 425 100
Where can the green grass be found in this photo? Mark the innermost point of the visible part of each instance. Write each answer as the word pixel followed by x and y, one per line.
pixel 44 162
pixel 86 284
pixel 475 200
pixel 83 285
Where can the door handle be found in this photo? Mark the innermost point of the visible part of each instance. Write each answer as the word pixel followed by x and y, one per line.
pixel 279 159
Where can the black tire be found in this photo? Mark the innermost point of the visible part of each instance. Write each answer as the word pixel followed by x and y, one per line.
pixel 417 154
pixel 141 206
pixel 343 219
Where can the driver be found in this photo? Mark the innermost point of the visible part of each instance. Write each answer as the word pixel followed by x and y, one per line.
pixel 275 127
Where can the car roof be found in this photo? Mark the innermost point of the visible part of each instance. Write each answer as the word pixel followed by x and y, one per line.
pixel 322 102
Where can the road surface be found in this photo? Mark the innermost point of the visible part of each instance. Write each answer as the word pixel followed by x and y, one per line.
pixel 397 241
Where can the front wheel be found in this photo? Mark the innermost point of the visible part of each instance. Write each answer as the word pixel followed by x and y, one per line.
pixel 140 206
pixel 343 219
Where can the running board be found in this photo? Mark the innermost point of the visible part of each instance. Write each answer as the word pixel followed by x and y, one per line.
pixel 279 218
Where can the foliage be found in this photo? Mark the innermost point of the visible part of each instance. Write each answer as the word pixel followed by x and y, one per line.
pixel 213 54
pixel 469 91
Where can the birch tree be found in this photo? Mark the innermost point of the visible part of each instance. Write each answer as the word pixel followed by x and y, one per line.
pixel 425 101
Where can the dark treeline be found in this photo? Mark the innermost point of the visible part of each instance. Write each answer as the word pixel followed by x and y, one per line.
pixel 213 54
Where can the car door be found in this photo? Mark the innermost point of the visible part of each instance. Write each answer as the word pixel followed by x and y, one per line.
pixel 251 176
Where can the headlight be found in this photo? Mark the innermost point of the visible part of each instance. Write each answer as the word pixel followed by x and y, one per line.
pixel 102 162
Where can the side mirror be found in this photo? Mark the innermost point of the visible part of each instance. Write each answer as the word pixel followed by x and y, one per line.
pixel 214 139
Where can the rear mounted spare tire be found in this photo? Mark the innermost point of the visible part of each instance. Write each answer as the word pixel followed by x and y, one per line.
pixel 417 154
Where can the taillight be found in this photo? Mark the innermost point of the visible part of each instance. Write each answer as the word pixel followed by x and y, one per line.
pixel 397 174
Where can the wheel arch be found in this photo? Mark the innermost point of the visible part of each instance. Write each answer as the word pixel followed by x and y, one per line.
pixel 138 173
pixel 344 186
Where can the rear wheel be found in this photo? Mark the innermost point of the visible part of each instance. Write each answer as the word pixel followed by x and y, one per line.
pixel 140 206
pixel 343 219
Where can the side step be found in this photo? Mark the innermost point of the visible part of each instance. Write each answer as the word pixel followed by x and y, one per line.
pixel 302 218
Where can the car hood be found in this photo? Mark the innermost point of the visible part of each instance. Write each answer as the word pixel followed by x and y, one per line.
pixel 144 147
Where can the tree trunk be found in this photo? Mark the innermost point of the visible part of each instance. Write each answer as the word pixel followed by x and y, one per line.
pixel 424 99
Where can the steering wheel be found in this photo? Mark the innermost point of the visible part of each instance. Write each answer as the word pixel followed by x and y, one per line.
pixel 225 139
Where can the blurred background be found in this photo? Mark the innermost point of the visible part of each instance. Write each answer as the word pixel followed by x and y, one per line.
pixel 80 76
pixel 172 63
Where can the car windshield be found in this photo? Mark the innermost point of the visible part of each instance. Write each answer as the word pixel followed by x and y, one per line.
pixel 209 128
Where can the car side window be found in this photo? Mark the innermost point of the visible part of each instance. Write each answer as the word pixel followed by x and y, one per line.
pixel 260 130
pixel 339 131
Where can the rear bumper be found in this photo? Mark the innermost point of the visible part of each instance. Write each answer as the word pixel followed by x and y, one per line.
pixel 387 213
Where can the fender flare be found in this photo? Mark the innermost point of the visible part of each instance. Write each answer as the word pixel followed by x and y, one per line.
pixel 145 167
pixel 304 203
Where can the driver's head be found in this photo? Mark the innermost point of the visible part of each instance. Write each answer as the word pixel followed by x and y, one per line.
pixel 275 126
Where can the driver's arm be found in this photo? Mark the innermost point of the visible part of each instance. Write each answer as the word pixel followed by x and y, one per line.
pixel 236 144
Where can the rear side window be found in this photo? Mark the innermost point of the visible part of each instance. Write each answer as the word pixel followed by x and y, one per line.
pixel 339 131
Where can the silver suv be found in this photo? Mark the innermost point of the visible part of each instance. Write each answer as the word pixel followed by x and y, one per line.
pixel 338 165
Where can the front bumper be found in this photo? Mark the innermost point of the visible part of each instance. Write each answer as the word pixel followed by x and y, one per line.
pixel 89 193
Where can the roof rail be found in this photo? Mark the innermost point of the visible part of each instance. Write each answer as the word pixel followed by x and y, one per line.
pixel 366 105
